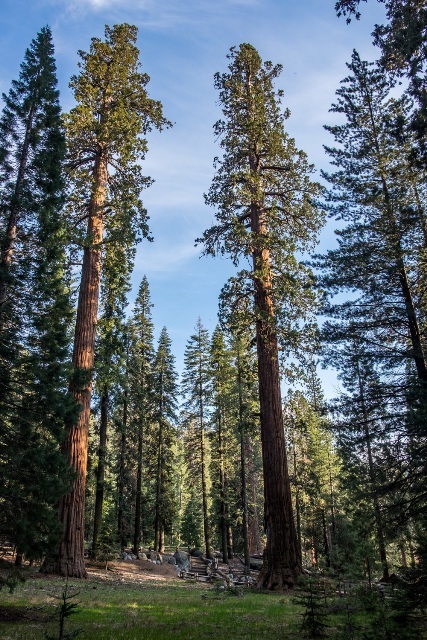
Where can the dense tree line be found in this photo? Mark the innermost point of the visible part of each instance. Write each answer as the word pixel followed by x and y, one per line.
pixel 102 446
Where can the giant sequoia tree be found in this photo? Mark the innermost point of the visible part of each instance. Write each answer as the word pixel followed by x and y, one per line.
pixel 263 196
pixel 106 141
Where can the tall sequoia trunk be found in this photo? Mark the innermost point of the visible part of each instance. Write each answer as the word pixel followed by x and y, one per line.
pixel 100 472
pixel 68 558
pixel 282 555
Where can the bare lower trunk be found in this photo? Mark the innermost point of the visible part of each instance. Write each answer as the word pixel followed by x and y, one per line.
pixel 68 558
pixel 282 555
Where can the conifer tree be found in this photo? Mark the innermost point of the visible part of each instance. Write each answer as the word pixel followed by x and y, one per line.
pixel 264 200
pixel 165 390
pixel 29 122
pixel 403 44
pixel 106 138
pixel 140 390
pixel 196 387
pixel 380 261
pixel 36 307
pixel 110 355
pixel 222 415
pixel 375 191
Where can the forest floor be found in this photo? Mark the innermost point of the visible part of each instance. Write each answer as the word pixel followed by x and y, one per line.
pixel 139 600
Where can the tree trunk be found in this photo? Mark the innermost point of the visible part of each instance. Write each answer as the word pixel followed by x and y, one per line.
pixel 68 558
pixel 12 222
pixel 158 528
pixel 371 470
pixel 138 497
pixel 121 478
pixel 100 472
pixel 297 499
pixel 223 506
pixel 282 556
pixel 230 551
pixel 254 538
pixel 206 527
pixel 243 492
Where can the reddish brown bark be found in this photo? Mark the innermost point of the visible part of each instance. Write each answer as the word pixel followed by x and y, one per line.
pixel 68 559
pixel 282 555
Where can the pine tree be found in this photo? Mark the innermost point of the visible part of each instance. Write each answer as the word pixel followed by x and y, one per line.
pixel 140 390
pixel 106 142
pixel 380 261
pixel 196 388
pixel 165 390
pixel 222 438
pixel 33 399
pixel 403 45
pixel 264 200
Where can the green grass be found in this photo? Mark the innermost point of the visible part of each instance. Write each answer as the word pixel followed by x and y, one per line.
pixel 175 610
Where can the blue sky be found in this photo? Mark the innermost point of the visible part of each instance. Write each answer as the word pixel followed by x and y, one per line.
pixel 183 43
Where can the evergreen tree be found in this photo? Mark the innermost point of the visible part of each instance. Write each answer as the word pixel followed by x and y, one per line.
pixel 165 392
pixel 140 391
pixel 264 200
pixel 111 343
pixel 403 44
pixel 36 307
pixel 106 138
pixel 380 261
pixel 222 437
pixel 196 388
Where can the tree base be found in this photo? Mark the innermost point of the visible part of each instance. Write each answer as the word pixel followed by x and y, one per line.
pixel 66 569
pixel 274 580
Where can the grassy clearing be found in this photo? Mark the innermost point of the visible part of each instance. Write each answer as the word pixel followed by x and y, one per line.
pixel 113 608
pixel 164 611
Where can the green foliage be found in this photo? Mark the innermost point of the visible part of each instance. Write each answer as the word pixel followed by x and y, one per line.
pixel 376 337
pixel 262 167
pixel 402 40
pixel 66 609
pixel 313 618
pixel 113 114
pixel 11 576
pixel 35 308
